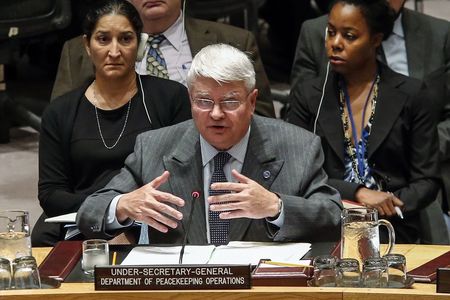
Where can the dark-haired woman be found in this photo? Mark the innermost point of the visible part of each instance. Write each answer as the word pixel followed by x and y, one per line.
pixel 378 135
pixel 88 133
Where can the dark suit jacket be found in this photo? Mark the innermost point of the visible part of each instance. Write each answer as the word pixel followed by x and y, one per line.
pixel 168 104
pixel 75 66
pixel 402 147
pixel 423 34
pixel 292 156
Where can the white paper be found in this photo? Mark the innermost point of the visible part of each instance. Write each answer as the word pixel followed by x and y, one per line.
pixel 152 255
pixel 233 253
pixel 306 262
pixel 67 218
pixel 71 231
pixel 252 252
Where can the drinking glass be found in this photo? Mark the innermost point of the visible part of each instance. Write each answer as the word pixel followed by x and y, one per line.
pixel 325 270
pixel 360 237
pixel 396 270
pixel 375 273
pixel 5 274
pixel 95 253
pixel 26 273
pixel 347 273
pixel 15 240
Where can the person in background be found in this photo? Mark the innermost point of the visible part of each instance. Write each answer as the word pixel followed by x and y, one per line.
pixel 88 132
pixel 404 51
pixel 260 179
pixel 179 38
pixel 378 134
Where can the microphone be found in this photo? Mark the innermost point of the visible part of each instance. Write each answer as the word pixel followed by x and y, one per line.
pixel 195 195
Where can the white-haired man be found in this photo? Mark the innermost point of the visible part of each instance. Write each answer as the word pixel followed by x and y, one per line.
pixel 260 179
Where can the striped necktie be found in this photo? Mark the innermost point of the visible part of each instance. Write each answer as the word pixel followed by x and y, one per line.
pixel 218 229
pixel 156 64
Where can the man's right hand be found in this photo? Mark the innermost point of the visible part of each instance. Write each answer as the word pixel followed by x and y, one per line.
pixel 148 205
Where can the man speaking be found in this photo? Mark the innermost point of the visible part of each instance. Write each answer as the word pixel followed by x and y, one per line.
pixel 259 179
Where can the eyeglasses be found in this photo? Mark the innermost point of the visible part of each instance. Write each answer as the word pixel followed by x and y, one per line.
pixel 208 105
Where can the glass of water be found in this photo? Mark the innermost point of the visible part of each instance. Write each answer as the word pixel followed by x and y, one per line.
pixel 15 240
pixel 396 269
pixel 26 273
pixel 95 253
pixel 325 270
pixel 5 274
pixel 347 273
pixel 375 273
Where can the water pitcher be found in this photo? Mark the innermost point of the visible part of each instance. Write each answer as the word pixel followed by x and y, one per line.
pixel 15 240
pixel 360 238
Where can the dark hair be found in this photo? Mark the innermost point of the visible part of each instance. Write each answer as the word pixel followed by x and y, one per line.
pixel 103 8
pixel 379 15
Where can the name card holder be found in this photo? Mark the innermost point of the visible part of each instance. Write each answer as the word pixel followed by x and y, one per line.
pixel 172 277
pixel 443 280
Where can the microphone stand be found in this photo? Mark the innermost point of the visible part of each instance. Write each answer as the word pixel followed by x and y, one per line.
pixel 195 195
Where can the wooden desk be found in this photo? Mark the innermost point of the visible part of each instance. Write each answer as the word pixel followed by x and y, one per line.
pixel 415 256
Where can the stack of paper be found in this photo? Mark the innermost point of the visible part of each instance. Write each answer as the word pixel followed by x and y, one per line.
pixel 233 253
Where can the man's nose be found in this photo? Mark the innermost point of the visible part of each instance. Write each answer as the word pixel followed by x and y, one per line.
pixel 217 112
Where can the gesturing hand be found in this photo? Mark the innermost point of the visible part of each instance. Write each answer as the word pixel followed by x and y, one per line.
pixel 384 202
pixel 148 205
pixel 247 200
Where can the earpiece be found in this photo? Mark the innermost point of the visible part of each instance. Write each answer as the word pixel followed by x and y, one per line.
pixel 323 86
pixel 321 98
pixel 142 45
pixel 143 100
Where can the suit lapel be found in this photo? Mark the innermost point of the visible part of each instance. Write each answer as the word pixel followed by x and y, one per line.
pixel 389 105
pixel 261 165
pixel 415 40
pixel 186 176
pixel 198 35
pixel 330 120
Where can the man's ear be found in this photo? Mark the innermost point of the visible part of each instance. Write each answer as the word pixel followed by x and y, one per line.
pixel 86 43
pixel 253 95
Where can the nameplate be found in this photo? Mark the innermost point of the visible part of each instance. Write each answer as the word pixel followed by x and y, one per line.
pixel 443 280
pixel 172 277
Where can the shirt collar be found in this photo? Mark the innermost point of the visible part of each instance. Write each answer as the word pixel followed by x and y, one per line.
pixel 398 27
pixel 175 33
pixel 237 151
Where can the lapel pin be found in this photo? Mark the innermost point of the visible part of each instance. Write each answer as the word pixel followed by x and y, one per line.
pixel 266 174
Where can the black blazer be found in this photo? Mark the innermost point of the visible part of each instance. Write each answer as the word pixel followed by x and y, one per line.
pixel 402 147
pixel 168 104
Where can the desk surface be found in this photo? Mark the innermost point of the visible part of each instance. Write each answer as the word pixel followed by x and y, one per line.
pixel 415 256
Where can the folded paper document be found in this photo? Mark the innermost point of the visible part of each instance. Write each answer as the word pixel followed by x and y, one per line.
pixel 67 218
pixel 233 253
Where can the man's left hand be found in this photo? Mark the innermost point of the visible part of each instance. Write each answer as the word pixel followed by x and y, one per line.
pixel 247 199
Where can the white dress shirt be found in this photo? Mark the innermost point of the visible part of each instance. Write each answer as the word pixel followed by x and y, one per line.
pixel 175 50
pixel 395 49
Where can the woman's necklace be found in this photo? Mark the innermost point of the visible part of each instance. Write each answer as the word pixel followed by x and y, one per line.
pixel 98 120
pixel 358 153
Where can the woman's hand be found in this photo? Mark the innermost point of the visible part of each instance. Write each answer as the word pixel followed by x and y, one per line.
pixel 384 202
